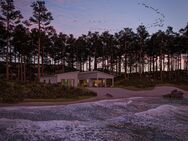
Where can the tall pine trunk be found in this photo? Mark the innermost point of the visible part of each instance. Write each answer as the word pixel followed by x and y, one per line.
pixel 111 65
pixel 186 64
pixel 140 64
pixel 168 66
pixel 95 63
pixel 156 67
pixel 21 68
pixel 116 67
pixel 153 63
pixel 119 65
pixel 80 65
pixel 89 63
pixel 125 65
pixel 161 68
pixel 63 62
pixel 24 69
pixel 103 63
pixel 7 50
pixel 39 46
pixel 42 58
pixel 149 67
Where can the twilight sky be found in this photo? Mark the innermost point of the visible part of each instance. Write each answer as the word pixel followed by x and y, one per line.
pixel 80 16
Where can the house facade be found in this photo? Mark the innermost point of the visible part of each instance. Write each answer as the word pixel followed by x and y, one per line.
pixel 84 79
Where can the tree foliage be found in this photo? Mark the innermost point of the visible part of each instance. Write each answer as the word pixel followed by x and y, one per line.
pixel 35 45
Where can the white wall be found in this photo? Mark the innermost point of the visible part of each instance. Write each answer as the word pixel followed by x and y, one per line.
pixel 47 80
pixel 68 76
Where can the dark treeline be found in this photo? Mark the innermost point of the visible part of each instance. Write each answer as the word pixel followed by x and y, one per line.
pixel 31 48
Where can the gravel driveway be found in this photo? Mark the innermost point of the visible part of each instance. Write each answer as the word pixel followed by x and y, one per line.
pixel 123 93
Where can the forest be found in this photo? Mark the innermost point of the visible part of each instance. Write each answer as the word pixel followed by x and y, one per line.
pixel 32 48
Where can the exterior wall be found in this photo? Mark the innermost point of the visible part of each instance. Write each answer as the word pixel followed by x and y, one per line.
pixel 74 77
pixel 68 76
pixel 49 80
pixel 93 76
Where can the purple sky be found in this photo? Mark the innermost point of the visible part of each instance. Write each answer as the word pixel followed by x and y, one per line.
pixel 80 16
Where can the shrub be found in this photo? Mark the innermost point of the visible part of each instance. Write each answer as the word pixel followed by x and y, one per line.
pixel 12 92
pixel 175 94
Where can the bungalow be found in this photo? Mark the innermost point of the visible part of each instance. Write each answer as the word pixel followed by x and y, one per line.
pixel 85 79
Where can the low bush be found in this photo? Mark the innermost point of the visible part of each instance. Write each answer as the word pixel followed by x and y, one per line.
pixel 175 94
pixel 12 92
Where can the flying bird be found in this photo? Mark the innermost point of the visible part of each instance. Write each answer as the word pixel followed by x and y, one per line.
pixel 158 22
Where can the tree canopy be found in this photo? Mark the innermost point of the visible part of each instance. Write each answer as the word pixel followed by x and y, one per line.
pixel 33 47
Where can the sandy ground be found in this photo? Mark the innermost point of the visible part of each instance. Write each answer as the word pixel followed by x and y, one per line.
pixel 124 93
pixel 116 93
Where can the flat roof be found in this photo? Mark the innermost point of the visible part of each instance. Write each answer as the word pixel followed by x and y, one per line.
pixel 82 73
pixel 88 72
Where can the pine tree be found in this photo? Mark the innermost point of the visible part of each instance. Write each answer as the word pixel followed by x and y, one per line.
pixel 142 37
pixel 22 47
pixel 10 17
pixel 2 40
pixel 42 18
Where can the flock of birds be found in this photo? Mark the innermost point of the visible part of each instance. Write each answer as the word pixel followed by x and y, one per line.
pixel 158 22
pixel 105 29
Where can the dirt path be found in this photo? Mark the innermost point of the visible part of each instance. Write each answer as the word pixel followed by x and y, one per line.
pixel 120 92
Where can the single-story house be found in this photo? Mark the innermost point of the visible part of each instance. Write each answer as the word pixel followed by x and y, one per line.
pixel 86 79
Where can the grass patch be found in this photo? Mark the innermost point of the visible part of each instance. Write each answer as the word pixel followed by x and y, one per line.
pixel 136 84
pixel 146 84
